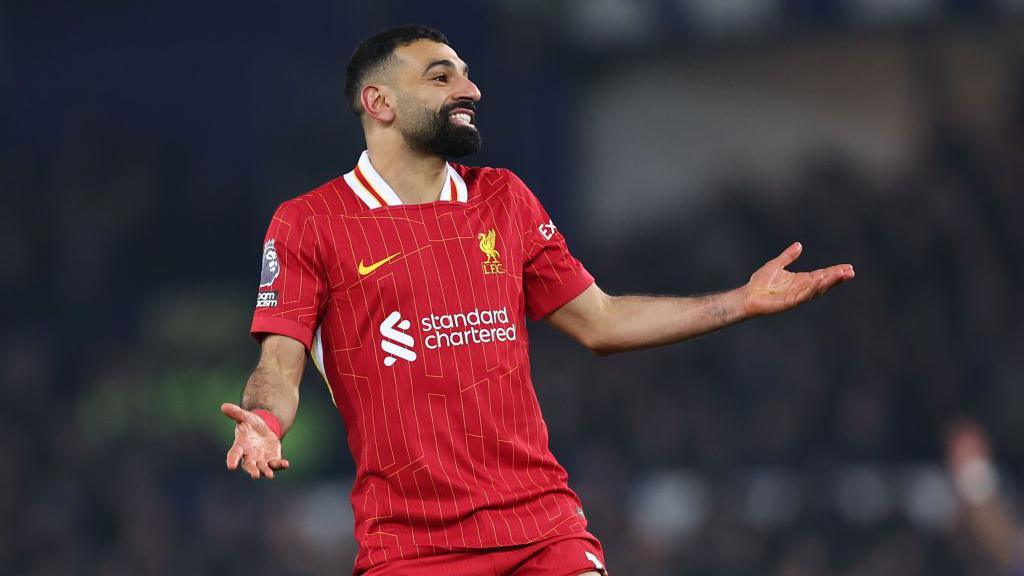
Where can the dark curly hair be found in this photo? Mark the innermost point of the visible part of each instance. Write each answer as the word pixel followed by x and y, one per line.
pixel 374 54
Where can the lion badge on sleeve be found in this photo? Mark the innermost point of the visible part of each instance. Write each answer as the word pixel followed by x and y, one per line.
pixel 271 265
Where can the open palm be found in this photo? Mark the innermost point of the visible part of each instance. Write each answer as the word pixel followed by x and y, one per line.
pixel 256 448
pixel 773 289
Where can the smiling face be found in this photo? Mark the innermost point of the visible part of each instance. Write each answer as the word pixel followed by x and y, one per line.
pixel 435 104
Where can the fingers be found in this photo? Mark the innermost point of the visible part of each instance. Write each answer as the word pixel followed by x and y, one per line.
pixel 834 275
pixel 844 271
pixel 817 282
pixel 234 456
pixel 235 412
pixel 789 255
pixel 251 466
pixel 255 467
pixel 264 469
pixel 242 416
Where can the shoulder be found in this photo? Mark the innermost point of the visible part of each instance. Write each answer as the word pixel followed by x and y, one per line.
pixel 487 180
pixel 323 200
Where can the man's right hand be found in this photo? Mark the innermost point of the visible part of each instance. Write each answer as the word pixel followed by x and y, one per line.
pixel 256 447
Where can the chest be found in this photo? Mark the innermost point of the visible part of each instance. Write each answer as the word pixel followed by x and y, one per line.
pixel 439 256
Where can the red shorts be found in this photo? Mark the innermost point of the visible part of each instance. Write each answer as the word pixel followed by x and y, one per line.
pixel 567 555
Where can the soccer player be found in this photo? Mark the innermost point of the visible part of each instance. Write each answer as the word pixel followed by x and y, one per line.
pixel 407 281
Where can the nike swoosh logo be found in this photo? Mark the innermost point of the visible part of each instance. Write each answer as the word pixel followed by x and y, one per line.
pixel 364 270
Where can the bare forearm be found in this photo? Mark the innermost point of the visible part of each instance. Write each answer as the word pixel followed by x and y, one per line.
pixel 274 385
pixel 607 324
pixel 632 322
pixel 265 391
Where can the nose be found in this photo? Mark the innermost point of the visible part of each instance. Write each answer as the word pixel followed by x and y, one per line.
pixel 468 91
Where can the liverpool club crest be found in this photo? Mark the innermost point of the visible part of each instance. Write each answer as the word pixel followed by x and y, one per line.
pixel 492 262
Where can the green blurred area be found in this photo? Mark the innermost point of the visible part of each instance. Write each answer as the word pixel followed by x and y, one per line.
pixel 195 355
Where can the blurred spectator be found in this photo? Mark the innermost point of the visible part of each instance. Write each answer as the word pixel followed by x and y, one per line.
pixel 986 514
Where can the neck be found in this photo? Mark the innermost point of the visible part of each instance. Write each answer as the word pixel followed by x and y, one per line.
pixel 415 177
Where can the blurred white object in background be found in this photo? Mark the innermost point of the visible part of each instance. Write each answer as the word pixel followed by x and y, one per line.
pixel 609 22
pixel 326 518
pixel 887 11
pixel 928 498
pixel 772 498
pixel 729 17
pixel 668 505
pixel 862 494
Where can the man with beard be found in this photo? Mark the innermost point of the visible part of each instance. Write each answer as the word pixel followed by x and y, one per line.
pixel 407 280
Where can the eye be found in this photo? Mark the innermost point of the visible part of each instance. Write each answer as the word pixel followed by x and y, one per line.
pixel 441 77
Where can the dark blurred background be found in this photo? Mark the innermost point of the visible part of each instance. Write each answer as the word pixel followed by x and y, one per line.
pixel 678 145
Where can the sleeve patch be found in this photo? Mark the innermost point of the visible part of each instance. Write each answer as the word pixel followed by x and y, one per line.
pixel 271 265
pixel 266 299
pixel 547 230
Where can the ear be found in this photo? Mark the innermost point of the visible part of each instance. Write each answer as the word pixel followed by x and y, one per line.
pixel 377 103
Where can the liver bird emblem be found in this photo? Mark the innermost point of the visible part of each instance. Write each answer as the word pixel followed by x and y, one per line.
pixel 487 246
pixel 492 264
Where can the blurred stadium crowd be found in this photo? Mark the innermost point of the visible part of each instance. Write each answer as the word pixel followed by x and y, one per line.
pixel 805 444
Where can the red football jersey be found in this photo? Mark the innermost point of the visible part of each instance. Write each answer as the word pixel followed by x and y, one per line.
pixel 415 316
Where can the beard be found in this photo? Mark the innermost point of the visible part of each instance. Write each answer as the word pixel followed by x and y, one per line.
pixel 435 132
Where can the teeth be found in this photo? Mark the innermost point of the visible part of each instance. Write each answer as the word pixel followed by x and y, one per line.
pixel 462 117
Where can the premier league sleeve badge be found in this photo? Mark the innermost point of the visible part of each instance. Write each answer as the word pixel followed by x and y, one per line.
pixel 271 265
pixel 271 269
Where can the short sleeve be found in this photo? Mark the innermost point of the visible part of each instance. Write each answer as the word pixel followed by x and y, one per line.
pixel 551 275
pixel 292 287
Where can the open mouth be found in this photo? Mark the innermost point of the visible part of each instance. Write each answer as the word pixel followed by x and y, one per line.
pixel 462 117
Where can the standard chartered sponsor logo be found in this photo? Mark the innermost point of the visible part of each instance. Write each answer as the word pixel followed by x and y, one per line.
pixel 393 331
pixel 444 331
pixel 461 328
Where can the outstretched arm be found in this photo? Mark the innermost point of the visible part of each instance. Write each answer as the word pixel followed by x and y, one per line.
pixel 273 387
pixel 608 324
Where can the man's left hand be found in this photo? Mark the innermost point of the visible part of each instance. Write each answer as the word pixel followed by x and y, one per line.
pixel 773 288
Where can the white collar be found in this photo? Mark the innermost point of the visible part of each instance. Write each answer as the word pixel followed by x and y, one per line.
pixel 371 188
